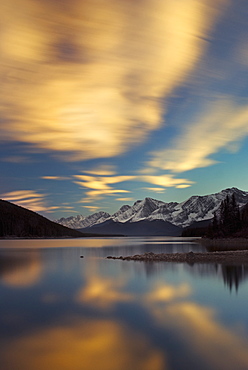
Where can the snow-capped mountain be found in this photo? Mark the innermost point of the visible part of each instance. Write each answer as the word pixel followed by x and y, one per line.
pixel 141 210
pixel 197 208
pixel 80 222
pixel 74 222
pixel 194 209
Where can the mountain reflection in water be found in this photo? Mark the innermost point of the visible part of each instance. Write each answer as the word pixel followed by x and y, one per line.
pixel 61 311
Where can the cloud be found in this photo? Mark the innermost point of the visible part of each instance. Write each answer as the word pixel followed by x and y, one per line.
pixel 156 190
pixel 89 79
pixel 167 180
pixel 16 159
pixel 103 170
pixel 55 177
pixel 94 195
pixel 124 199
pixel 221 126
pixel 91 208
pixel 101 182
pixel 28 199
pixel 100 186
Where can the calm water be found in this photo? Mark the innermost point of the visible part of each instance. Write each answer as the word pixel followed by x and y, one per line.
pixel 60 311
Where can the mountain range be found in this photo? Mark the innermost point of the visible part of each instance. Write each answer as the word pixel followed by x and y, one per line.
pixel 154 217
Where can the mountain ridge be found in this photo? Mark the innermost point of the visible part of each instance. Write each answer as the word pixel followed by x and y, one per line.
pixel 194 209
pixel 16 221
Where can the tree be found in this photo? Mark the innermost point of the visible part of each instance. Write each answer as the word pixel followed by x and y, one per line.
pixel 215 224
pixel 230 221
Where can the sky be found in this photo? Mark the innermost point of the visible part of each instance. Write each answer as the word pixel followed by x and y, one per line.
pixel 104 102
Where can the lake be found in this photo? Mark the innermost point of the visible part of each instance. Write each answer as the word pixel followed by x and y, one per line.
pixel 61 311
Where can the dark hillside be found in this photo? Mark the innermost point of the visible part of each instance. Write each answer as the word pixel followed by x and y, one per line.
pixel 21 222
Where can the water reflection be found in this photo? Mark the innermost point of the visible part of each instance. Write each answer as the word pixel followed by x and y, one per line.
pixel 71 313
pixel 101 246
pixel 82 345
pixel 101 291
pixel 204 336
pixel 232 275
pixel 20 270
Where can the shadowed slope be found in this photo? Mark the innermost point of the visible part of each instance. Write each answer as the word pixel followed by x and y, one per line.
pixel 20 222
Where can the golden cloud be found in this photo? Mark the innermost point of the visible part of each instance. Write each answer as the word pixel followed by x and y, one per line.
pixel 124 199
pixel 156 190
pixel 55 178
pixel 91 208
pixel 86 79
pixel 94 195
pixel 221 126
pixel 103 170
pixel 100 186
pixel 166 181
pixel 28 199
pixel 101 183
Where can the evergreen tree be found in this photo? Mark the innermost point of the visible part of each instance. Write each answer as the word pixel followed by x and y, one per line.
pixel 229 221
pixel 215 224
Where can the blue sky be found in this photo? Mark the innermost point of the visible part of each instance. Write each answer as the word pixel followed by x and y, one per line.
pixel 106 102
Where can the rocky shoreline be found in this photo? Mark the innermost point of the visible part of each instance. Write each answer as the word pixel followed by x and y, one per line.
pixel 191 257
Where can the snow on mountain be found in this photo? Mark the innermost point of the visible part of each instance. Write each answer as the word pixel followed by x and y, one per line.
pixel 123 215
pixel 74 222
pixel 197 208
pixel 79 221
pixel 139 211
pixel 194 209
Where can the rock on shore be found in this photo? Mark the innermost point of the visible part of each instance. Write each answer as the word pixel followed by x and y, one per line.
pixel 191 257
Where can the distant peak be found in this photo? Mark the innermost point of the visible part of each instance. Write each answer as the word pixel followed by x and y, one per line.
pixel 147 199
pixel 125 207
pixel 232 190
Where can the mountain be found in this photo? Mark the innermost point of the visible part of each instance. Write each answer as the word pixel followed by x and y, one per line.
pixel 21 222
pixel 195 209
pixel 79 221
pixel 139 228
pixel 201 208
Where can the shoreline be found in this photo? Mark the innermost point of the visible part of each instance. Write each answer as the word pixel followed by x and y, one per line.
pixel 237 256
